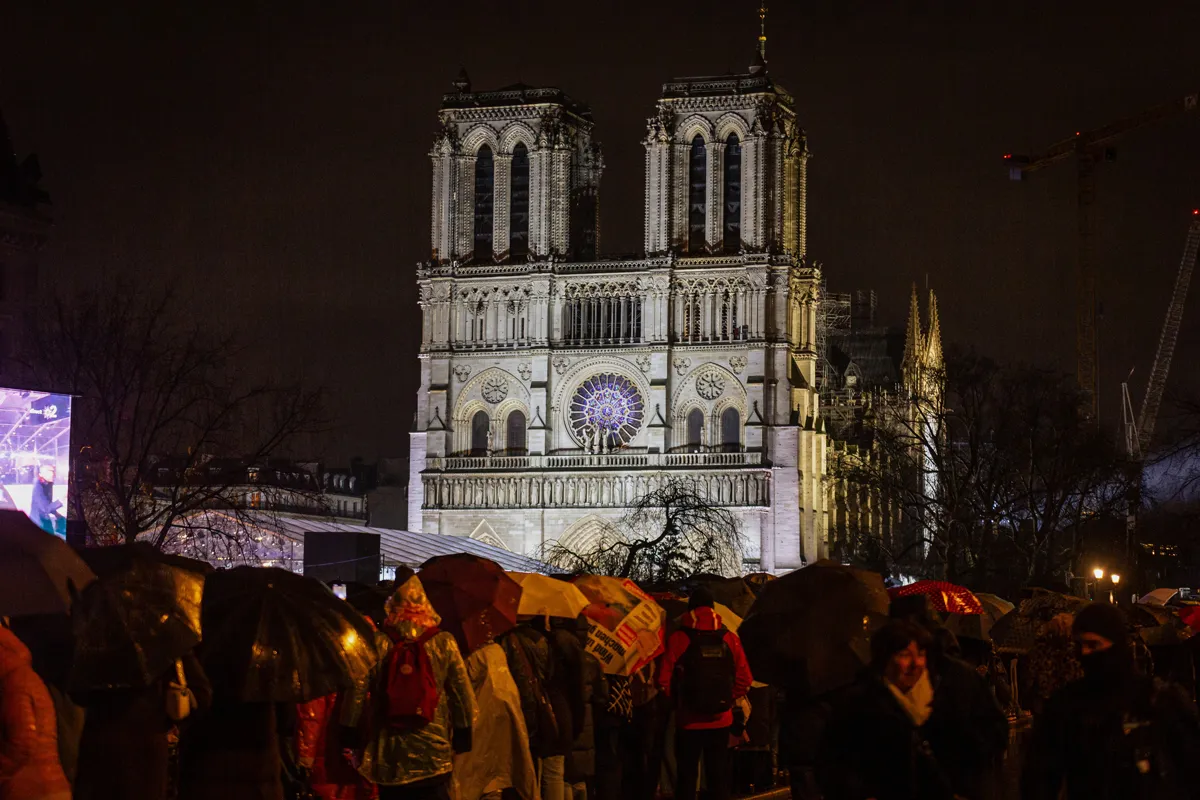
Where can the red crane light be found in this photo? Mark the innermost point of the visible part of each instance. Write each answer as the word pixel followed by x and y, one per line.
pixel 1196 212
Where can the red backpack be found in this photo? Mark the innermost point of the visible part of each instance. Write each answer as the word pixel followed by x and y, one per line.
pixel 412 689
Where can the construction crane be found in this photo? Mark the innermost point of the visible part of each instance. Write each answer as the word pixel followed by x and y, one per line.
pixel 1139 427
pixel 1090 148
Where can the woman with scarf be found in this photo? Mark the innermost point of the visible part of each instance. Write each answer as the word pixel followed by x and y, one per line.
pixel 1114 733
pixel 873 746
pixel 420 708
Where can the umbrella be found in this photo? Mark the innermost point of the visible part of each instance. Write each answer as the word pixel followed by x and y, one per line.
pixel 946 597
pixel 39 572
pixel 542 596
pixel 733 593
pixel 979 626
pixel 273 636
pixel 757 580
pixel 810 629
pixel 1191 616
pixel 1018 629
pixel 1159 597
pixel 474 597
pixel 628 625
pixel 132 624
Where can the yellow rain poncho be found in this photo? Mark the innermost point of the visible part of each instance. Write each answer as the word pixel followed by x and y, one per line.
pixel 394 757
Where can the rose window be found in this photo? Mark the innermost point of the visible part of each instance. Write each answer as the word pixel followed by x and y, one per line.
pixel 495 389
pixel 609 406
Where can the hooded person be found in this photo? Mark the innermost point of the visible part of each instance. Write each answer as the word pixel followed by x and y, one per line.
pixel 1114 733
pixel 29 765
pixel 703 671
pixel 422 709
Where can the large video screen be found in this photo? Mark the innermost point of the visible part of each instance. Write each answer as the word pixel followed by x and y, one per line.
pixel 35 456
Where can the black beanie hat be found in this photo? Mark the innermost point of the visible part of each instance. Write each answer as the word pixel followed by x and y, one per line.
pixel 701 596
pixel 1104 619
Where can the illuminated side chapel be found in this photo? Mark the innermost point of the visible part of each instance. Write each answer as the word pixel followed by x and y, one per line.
pixel 557 386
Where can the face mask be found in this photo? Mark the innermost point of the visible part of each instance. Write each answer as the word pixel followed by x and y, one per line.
pixel 1107 666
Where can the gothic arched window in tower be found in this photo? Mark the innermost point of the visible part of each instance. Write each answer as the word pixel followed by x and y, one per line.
pixel 606 412
pixel 733 194
pixel 731 430
pixel 697 196
pixel 695 430
pixel 514 440
pixel 480 424
pixel 518 209
pixel 485 201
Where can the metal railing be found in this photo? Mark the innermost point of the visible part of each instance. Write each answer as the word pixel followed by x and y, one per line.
pixel 582 460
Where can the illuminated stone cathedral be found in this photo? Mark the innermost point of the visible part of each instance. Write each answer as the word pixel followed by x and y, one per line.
pixel 557 385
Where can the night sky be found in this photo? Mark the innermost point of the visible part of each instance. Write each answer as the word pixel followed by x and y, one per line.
pixel 270 159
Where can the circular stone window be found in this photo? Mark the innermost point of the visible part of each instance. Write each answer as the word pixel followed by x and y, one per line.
pixel 607 404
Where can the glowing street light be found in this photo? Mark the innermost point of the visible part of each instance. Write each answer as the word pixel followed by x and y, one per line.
pixel 1098 572
pixel 1115 578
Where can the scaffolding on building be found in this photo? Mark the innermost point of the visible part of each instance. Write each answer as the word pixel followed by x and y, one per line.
pixel 833 319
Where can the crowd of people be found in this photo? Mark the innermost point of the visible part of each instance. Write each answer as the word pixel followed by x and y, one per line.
pixel 531 714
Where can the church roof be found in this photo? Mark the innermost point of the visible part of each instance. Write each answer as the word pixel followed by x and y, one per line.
pixel 876 353
pixel 517 94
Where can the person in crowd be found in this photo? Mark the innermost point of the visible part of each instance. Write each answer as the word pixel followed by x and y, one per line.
pixel 499 761
pixel 566 691
pixel 320 752
pixel 579 772
pixel 872 746
pixel 967 729
pixel 423 708
pixel 703 671
pixel 802 721
pixel 29 762
pixel 235 751
pixel 529 661
pixel 643 742
pixel 123 721
pixel 1050 664
pixel 1114 733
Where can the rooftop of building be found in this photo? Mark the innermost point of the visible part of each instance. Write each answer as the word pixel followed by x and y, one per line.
pixel 517 94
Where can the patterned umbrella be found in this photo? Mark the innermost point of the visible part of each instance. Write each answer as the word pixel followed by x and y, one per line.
pixel 475 598
pixel 979 626
pixel 627 630
pixel 1018 629
pixel 946 597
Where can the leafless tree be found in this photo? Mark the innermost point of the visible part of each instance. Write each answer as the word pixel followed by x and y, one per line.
pixel 669 533
pixel 995 472
pixel 159 400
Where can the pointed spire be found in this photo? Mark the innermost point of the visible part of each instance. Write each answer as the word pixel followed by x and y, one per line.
pixel 933 339
pixel 762 32
pixel 912 337
pixel 462 84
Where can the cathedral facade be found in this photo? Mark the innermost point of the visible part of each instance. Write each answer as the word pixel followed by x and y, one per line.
pixel 557 386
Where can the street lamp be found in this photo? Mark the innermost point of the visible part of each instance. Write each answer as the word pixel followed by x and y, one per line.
pixel 1099 573
pixel 1115 578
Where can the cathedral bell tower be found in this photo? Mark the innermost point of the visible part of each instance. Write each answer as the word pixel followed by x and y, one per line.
pixel 516 176
pixel 726 167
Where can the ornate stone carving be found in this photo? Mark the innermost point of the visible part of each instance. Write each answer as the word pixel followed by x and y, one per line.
pixel 495 388
pixel 737 364
pixel 462 372
pixel 710 385
pixel 682 365
pixel 561 363
pixel 643 362
pixel 525 370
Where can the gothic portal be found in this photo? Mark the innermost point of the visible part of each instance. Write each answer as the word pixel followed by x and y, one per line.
pixel 557 385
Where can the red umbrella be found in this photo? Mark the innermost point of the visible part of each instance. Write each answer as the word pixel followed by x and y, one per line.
pixel 1190 615
pixel 475 598
pixel 946 597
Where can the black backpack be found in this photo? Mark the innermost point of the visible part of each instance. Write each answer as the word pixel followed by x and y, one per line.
pixel 705 673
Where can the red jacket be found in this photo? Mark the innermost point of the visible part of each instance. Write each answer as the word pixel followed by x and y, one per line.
pixel 319 749
pixel 703 619
pixel 29 767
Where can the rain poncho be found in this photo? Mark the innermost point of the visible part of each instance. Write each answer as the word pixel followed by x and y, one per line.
pixel 395 757
pixel 499 756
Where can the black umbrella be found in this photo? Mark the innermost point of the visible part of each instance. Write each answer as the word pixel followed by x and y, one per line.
pixel 1018 630
pixel 132 624
pixel 39 573
pixel 370 601
pixel 274 636
pixel 118 558
pixel 810 630
pixel 733 593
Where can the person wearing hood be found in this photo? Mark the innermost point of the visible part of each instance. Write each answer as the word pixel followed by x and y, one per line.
pixel 29 765
pixel 872 747
pixel 1114 733
pixel 703 670
pixel 423 709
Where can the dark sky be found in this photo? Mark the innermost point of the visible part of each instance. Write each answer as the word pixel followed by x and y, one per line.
pixel 270 157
